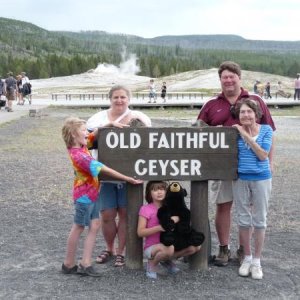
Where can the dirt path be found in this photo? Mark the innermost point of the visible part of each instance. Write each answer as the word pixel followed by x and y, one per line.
pixel 36 215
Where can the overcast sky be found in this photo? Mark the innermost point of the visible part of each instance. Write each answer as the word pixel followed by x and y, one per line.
pixel 251 19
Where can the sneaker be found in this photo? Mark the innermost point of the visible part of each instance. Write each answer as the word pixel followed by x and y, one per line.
pixel 67 270
pixel 150 273
pixel 245 268
pixel 223 257
pixel 170 266
pixel 87 271
pixel 240 254
pixel 256 272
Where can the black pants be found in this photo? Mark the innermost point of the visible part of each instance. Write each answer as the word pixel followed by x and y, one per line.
pixel 297 94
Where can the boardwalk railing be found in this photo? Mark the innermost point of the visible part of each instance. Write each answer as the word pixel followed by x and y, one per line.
pixel 137 95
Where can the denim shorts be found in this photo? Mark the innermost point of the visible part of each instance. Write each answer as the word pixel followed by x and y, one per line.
pixel 152 95
pixel 112 195
pixel 84 213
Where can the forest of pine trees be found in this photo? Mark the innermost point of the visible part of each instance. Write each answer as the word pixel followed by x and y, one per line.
pixel 44 54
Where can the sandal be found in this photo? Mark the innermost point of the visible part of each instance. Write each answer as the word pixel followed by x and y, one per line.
pixel 120 261
pixel 103 257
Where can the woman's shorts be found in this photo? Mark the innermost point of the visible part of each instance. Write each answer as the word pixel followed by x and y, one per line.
pixel 112 195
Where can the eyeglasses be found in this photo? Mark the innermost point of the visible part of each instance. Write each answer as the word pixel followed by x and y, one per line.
pixel 232 111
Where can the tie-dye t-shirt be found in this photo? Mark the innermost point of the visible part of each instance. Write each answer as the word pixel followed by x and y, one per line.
pixel 86 169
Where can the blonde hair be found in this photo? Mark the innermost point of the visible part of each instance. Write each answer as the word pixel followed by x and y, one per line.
pixel 69 129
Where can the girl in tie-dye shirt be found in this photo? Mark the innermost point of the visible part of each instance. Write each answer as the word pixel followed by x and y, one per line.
pixel 85 194
pixel 86 169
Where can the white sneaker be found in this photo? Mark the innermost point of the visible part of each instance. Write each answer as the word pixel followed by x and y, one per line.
pixel 256 272
pixel 151 272
pixel 151 275
pixel 245 268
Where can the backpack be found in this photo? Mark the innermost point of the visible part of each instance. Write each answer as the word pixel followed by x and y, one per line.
pixel 26 89
pixel 10 84
pixel 1 87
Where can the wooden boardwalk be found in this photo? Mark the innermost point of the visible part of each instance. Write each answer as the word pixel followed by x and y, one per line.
pixel 180 100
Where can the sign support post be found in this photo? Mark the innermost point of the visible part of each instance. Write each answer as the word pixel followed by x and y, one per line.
pixel 199 218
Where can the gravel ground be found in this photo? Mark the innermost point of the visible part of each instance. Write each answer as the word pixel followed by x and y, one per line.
pixel 36 216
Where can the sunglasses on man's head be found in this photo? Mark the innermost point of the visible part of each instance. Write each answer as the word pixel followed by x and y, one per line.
pixel 232 111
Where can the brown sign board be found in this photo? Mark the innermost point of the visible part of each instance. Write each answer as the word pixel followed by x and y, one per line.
pixel 152 153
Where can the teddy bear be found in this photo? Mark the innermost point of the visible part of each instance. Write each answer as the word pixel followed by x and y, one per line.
pixel 179 234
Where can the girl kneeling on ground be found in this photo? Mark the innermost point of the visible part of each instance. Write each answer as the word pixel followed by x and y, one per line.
pixel 149 228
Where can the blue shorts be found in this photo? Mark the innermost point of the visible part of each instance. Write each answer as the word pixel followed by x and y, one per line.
pixel 152 95
pixel 112 195
pixel 84 213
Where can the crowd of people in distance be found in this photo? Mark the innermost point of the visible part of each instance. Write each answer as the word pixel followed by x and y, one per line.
pixel 264 90
pixel 14 88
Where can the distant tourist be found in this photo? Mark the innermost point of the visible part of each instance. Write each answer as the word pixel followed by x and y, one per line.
pixel 255 88
pixel 152 91
pixel 297 88
pixel 2 93
pixel 26 88
pixel 281 92
pixel 260 89
pixel 19 90
pixel 10 88
pixel 164 91
pixel 268 91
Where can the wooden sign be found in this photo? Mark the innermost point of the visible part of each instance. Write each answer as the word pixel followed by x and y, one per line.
pixel 191 153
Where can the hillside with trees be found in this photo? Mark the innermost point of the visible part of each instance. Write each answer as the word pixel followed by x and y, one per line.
pixel 44 54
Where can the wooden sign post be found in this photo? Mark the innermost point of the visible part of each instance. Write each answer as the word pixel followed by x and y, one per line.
pixel 181 154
